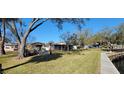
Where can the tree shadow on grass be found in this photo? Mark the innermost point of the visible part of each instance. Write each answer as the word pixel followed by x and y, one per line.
pixel 37 59
pixel 45 58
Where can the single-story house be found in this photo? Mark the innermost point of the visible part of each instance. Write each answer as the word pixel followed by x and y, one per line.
pixel 11 46
pixel 62 46
pixel 37 45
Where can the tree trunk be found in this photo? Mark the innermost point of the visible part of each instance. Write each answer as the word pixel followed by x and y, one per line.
pixel 2 40
pixel 68 49
pixel 50 50
pixel 21 50
pixel 2 51
pixel 61 48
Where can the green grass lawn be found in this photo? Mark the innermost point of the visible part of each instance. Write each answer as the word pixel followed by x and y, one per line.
pixel 86 61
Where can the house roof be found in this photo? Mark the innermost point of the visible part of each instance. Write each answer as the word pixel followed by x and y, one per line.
pixel 60 43
pixel 37 43
pixel 11 44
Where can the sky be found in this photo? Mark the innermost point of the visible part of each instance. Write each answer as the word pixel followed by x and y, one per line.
pixel 49 32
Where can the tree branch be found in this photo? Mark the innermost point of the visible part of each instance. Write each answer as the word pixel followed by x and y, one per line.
pixel 32 23
pixel 14 31
pixel 39 24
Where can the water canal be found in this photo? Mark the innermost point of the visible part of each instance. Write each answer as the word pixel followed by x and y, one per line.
pixel 119 64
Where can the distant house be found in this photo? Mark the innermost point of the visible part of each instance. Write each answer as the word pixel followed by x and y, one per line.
pixel 11 46
pixel 62 46
pixel 54 46
pixel 37 45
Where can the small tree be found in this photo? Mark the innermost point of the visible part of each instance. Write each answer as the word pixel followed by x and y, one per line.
pixel 74 39
pixel 120 34
pixel 66 37
pixel 83 37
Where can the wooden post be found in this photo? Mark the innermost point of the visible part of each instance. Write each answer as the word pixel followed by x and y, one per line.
pixel 0 68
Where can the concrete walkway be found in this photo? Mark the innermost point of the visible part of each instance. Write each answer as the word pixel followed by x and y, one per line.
pixel 107 66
